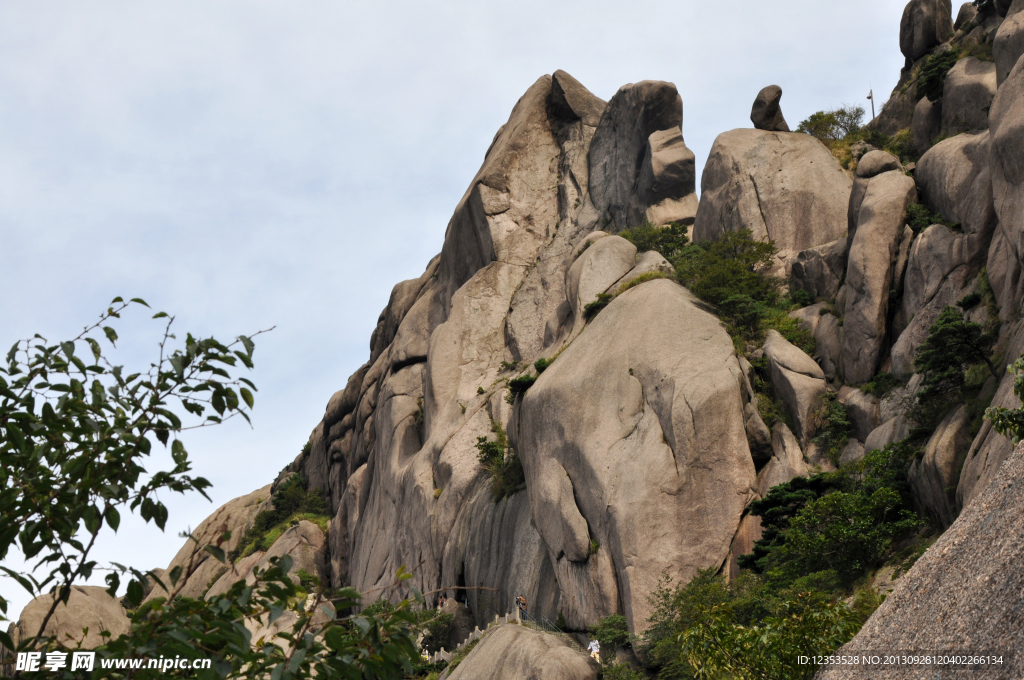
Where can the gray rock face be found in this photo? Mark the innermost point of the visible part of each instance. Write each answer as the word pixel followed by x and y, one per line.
pixel 989 448
pixel 653 465
pixel 948 292
pixel 876 162
pixel 596 269
pixel 965 15
pixel 819 270
pixel 573 101
pixel 967 96
pixel 786 463
pixel 869 272
pixel 926 124
pixel 797 380
pixel 766 113
pixel 1008 44
pixel 889 432
pixel 759 437
pixel 852 452
pixel 88 607
pixel 933 478
pixel 786 187
pixel 966 591
pixel 643 122
pixel 1007 128
pixel 925 24
pixel 954 179
pixel 512 652
pixel 199 569
pixel 862 409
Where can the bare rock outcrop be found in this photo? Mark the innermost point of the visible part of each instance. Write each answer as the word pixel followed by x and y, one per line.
pixel 786 463
pixel 797 380
pixel 653 465
pixel 87 607
pixel 967 96
pixel 511 652
pixel 925 24
pixel 934 476
pixel 782 186
pixel 1008 43
pixel 926 124
pixel 820 270
pixel 880 220
pixel 640 168
pixel 965 593
pixel 766 113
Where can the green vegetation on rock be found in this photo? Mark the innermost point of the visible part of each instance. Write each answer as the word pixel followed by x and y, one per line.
pixel 502 464
pixel 291 504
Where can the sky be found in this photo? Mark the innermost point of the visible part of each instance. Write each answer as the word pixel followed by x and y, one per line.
pixel 257 164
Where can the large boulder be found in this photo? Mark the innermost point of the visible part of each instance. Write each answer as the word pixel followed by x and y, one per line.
pixel 926 124
pixel 797 380
pixel 862 409
pixel 954 179
pixel 512 652
pixel 966 593
pixel 967 96
pixel 786 463
pixel 820 270
pixel 933 477
pixel 782 186
pixel 602 264
pixel 640 168
pixel 87 607
pixel 1008 44
pixel 880 221
pixel 634 439
pixel 925 24
pixel 766 113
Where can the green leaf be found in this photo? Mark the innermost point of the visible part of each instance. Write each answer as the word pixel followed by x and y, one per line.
pixel 6 641
pixel 135 592
pixel 246 396
pixel 111 335
pixel 174 575
pixel 217 553
pixel 160 315
pixel 140 301
pixel 116 300
pixel 113 518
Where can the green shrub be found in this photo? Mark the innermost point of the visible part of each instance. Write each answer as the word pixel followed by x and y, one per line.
pixel 591 309
pixel 646 276
pixel 508 366
pixel 502 464
pixel 952 347
pixel 833 426
pixel 1005 421
pixel 770 410
pixel 834 125
pixel 881 385
pixel 541 364
pixel 612 631
pixel 438 628
pixel 844 522
pixel 920 218
pixel 901 145
pixel 291 503
pixel 669 240
pixel 621 671
pixel 518 386
pixel 969 301
pixel 932 77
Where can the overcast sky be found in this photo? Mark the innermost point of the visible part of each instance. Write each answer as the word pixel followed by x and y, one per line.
pixel 253 164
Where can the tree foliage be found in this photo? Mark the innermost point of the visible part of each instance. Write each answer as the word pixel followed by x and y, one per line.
pixel 953 345
pixel 833 125
pixel 75 433
pixel 1010 422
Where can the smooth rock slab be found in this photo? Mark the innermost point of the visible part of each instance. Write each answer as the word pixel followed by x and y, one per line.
pixel 513 652
pixel 634 438
pixel 934 477
pixel 796 379
pixel 967 95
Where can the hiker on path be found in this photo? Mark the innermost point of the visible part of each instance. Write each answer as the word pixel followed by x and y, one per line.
pixel 595 650
pixel 521 604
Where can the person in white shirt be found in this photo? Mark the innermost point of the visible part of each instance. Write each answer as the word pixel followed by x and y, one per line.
pixel 595 650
